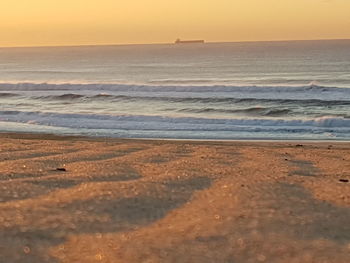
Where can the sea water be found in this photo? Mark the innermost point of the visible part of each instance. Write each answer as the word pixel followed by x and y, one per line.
pixel 256 90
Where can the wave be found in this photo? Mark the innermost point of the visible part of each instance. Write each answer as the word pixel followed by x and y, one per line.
pixel 222 100
pixel 304 102
pixel 67 96
pixel 105 95
pixel 140 126
pixel 188 81
pixel 310 95
pixel 115 121
pixel 32 86
pixel 7 94
pixel 255 111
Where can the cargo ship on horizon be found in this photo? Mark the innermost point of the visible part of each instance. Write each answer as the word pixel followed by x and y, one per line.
pixel 179 41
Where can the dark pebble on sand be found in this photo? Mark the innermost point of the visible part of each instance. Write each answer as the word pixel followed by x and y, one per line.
pixel 61 169
pixel 299 145
pixel 344 180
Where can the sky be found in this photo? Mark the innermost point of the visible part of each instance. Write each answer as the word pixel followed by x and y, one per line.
pixel 94 22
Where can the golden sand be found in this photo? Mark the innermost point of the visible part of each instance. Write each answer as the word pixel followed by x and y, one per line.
pixel 172 201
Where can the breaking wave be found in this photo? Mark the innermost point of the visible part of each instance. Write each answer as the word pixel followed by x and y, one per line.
pixel 147 122
pixel 260 111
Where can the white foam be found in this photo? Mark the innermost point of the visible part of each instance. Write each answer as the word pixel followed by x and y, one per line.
pixel 145 123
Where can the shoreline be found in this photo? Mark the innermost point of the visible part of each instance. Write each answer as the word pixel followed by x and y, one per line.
pixel 39 135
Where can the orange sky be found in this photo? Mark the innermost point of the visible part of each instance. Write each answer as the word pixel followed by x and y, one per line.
pixel 78 22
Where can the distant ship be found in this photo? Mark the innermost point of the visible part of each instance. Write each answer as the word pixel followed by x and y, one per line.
pixel 179 41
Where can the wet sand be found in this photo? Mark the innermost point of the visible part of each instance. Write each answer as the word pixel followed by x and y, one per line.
pixel 172 201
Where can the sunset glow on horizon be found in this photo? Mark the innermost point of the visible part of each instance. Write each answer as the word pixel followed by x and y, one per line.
pixel 94 22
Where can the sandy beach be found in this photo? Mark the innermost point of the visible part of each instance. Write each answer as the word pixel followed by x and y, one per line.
pixel 76 199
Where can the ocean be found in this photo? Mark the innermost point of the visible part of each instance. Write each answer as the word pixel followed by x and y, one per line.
pixel 297 90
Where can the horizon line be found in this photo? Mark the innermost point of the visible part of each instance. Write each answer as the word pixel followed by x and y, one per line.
pixel 169 43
